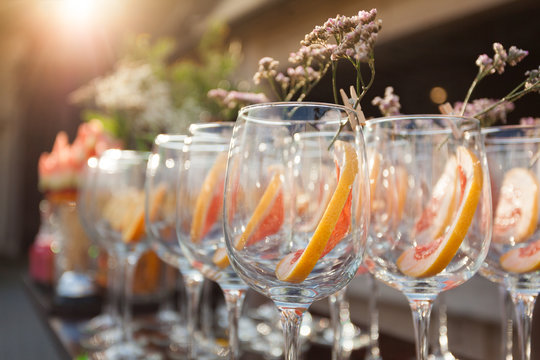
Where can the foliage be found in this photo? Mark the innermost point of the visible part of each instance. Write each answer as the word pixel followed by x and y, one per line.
pixel 147 94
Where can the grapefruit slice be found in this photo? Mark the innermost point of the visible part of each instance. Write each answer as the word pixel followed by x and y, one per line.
pixel 209 201
pixel 440 208
pixel 522 260
pixel 125 213
pixel 516 215
pixel 266 220
pixel 296 266
pixel 431 258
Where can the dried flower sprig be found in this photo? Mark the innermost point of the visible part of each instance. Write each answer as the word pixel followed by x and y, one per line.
pixel 389 105
pixel 351 38
pixel 487 111
pixel 234 99
pixel 497 64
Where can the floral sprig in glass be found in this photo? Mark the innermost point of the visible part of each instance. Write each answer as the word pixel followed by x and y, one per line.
pixel 496 109
pixel 350 38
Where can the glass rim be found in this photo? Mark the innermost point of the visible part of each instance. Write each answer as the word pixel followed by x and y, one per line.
pixel 210 125
pixel 420 117
pixel 291 104
pixel 119 154
pixel 472 124
pixel 166 138
pixel 511 138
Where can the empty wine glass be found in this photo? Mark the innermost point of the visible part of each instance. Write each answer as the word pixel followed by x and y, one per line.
pixel 199 224
pixel 437 235
pixel 285 237
pixel 514 256
pixel 161 182
pixel 117 205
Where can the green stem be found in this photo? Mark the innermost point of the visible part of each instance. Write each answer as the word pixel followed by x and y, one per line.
pixel 476 80
pixel 334 82
pixel 366 87
pixel 274 90
pixel 510 97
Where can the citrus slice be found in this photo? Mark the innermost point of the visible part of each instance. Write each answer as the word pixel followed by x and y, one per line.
pixel 266 220
pixel 516 215
pixel 125 213
pixel 209 200
pixel 522 260
pixel 431 258
pixel 439 210
pixel 296 266
pixel 314 208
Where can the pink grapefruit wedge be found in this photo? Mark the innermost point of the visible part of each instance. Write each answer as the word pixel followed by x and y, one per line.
pixel 516 215
pixel 522 260
pixel 440 208
pixel 431 258
pixel 266 220
pixel 334 224
pixel 209 201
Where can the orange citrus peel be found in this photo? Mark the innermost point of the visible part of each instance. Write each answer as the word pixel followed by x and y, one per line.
pixel 206 197
pixel 429 259
pixel 296 267
pixel 266 204
pixel 522 260
pixel 516 215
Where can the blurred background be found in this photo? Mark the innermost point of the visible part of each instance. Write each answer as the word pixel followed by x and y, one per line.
pixel 50 48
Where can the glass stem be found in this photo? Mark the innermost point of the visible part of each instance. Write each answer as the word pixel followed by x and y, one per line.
pixel 291 320
pixel 443 325
pixel 335 301
pixel 167 278
pixel 374 351
pixel 114 276
pixel 129 274
pixel 524 305
pixel 234 298
pixel 421 310
pixel 507 324
pixel 193 285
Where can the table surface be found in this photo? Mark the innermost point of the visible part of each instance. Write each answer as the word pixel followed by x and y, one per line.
pixel 65 331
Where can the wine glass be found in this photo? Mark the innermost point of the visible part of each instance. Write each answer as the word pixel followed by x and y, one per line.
pixel 117 203
pixel 103 329
pixel 160 217
pixel 285 237
pixel 199 214
pixel 514 255
pixel 438 235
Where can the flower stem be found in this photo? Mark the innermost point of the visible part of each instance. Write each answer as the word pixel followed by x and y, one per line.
pixel 334 82
pixel 510 97
pixel 479 76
